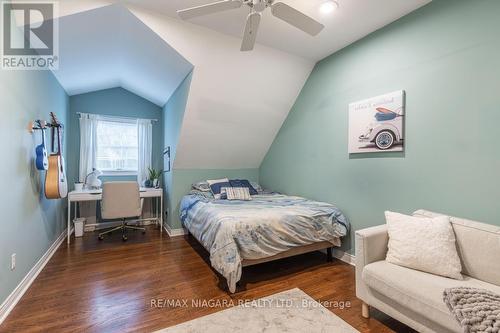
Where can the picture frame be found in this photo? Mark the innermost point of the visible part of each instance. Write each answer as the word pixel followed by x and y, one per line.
pixel 377 124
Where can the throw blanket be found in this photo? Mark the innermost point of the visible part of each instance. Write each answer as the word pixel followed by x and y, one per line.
pixel 477 310
pixel 269 224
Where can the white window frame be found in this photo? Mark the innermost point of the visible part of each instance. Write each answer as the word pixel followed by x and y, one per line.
pixel 122 120
pixel 111 173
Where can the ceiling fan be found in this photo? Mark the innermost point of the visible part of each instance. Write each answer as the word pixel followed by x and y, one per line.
pixel 279 9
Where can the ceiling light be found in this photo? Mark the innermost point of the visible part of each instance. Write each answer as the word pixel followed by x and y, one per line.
pixel 329 6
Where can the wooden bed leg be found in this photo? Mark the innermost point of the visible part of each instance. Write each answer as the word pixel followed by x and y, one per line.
pixel 365 310
pixel 329 254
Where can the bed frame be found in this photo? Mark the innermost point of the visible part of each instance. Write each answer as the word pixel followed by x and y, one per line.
pixel 286 254
pixel 289 253
pixel 294 252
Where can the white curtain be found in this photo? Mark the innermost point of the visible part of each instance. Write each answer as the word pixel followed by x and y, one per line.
pixel 145 138
pixel 88 137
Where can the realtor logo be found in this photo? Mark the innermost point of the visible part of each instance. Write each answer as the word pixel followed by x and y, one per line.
pixel 29 35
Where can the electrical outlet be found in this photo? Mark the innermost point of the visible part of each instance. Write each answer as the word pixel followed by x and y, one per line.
pixel 13 262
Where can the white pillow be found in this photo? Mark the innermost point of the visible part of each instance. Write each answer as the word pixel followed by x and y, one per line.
pixel 424 244
pixel 215 181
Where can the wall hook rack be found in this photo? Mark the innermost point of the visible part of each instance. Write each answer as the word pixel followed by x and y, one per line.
pixel 39 125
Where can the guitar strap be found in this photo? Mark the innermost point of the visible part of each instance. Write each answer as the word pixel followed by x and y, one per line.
pixel 59 143
pixel 43 137
pixel 58 140
pixel 53 138
pixel 61 128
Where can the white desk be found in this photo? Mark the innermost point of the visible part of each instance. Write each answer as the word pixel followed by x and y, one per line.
pixel 96 195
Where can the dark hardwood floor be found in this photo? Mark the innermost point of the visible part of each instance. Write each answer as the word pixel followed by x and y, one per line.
pixel 108 286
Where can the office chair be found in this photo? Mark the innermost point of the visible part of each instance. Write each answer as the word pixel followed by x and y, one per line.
pixel 121 200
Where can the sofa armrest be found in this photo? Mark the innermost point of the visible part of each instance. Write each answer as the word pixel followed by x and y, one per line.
pixel 371 246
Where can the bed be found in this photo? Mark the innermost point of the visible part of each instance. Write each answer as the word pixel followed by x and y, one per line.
pixel 270 226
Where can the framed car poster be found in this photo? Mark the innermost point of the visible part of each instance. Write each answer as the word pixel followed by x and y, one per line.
pixel 377 124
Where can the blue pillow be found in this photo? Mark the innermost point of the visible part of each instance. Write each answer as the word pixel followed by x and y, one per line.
pixel 216 188
pixel 243 183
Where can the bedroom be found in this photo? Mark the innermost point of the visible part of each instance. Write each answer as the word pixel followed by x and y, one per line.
pixel 390 107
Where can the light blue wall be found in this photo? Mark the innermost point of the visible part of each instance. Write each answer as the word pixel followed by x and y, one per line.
pixel 111 102
pixel 30 223
pixel 446 57
pixel 173 116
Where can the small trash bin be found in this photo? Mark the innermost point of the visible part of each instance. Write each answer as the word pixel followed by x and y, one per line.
pixel 79 223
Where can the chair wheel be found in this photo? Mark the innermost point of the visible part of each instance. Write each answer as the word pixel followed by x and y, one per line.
pixel 124 238
pixel 100 238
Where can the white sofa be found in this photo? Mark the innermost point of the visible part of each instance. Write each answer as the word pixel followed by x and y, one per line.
pixel 413 297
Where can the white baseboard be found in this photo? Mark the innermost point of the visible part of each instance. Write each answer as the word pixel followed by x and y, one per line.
pixel 26 282
pixel 174 232
pixel 345 257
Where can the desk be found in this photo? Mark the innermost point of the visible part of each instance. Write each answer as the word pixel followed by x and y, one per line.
pixel 96 195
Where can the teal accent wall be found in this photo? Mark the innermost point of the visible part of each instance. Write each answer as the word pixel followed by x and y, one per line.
pixel 446 56
pixel 30 223
pixel 111 102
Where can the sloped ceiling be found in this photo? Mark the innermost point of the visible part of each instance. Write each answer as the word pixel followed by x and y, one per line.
pixel 109 47
pixel 352 21
pixel 237 101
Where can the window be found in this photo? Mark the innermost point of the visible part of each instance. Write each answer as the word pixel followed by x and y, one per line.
pixel 117 148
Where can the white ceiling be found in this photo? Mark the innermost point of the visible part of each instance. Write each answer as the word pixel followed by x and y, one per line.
pixel 110 47
pixel 244 96
pixel 351 22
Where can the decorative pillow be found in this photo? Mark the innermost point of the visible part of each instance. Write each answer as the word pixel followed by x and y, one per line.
pixel 236 193
pixel 243 183
pixel 424 244
pixel 257 187
pixel 202 186
pixel 207 195
pixel 216 185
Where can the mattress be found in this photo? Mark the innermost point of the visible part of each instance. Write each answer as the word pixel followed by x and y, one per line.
pixel 263 227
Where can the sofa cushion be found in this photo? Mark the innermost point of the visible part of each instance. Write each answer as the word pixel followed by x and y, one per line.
pixel 478 247
pixel 424 243
pixel 418 291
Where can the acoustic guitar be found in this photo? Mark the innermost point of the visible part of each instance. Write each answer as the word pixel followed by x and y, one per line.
pixel 41 161
pixel 56 186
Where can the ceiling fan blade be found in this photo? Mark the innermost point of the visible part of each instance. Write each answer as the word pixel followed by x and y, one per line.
pixel 296 18
pixel 211 8
pixel 251 30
